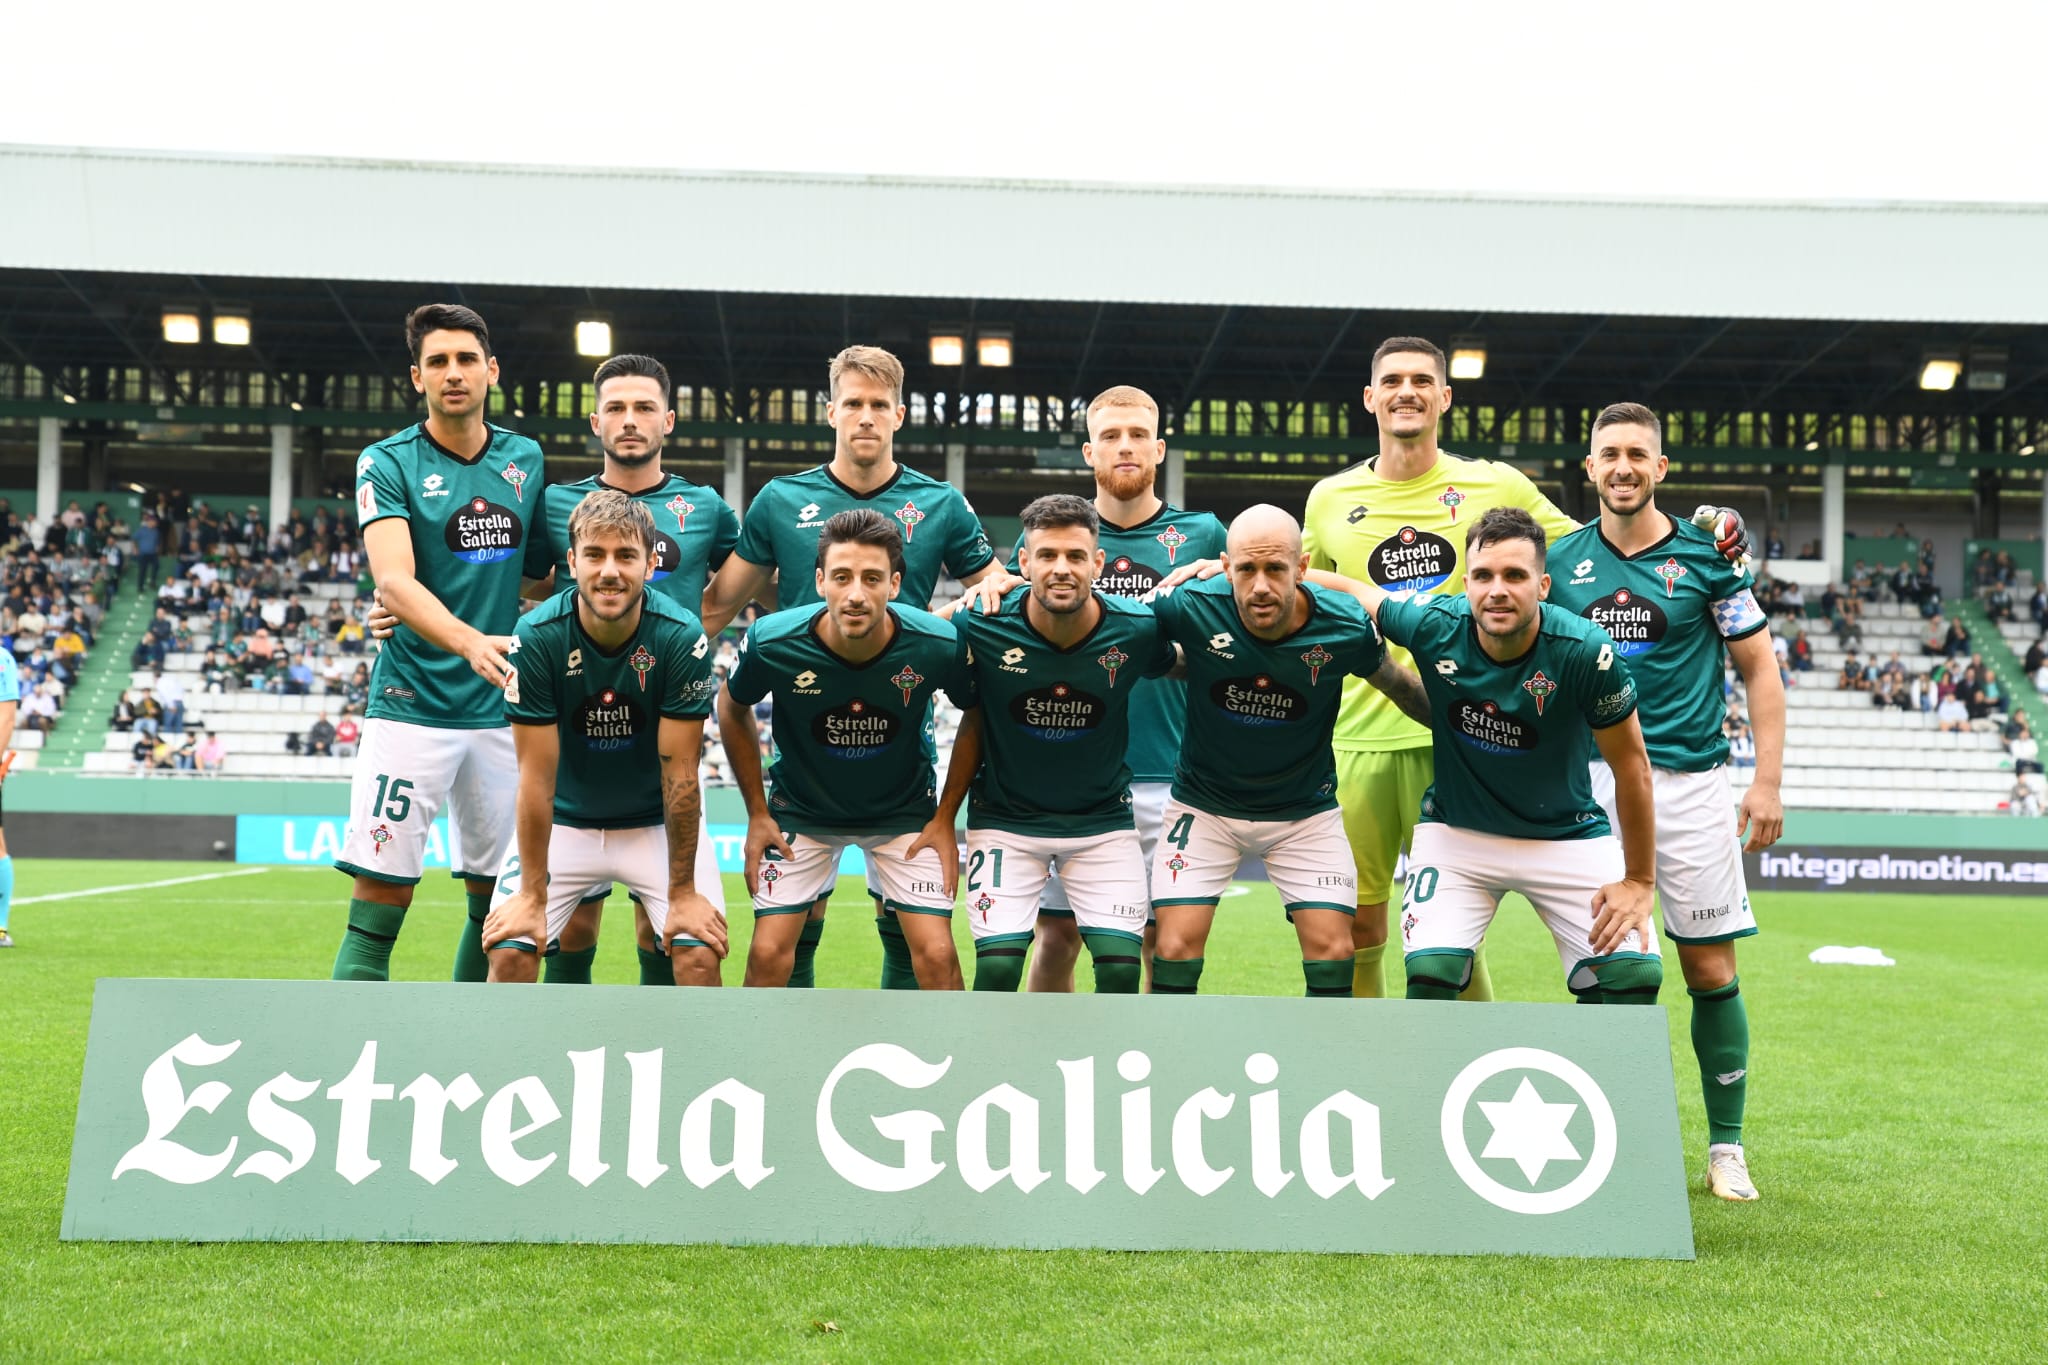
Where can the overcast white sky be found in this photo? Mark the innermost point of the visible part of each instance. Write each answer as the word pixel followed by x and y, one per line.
pixel 1795 99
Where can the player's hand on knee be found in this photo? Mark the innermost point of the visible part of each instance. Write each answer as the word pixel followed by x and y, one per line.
pixel 938 836
pixel 381 621
pixel 1621 908
pixel 1763 816
pixel 1195 571
pixel 763 835
pixel 692 916
pixel 523 916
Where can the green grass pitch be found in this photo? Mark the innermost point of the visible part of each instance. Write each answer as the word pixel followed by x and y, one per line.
pixel 1896 1129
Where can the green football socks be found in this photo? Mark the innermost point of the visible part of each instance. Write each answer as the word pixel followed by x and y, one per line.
pixel 897 972
pixel 366 947
pixel 1720 1039
pixel 1176 975
pixel 570 969
pixel 654 967
pixel 1118 963
pixel 472 963
pixel 999 962
pixel 1330 980
pixel 803 972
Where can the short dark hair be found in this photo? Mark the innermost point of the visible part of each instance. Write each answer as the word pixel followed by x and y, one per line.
pixel 1629 414
pixel 1420 346
pixel 630 367
pixel 444 317
pixel 1505 523
pixel 1056 510
pixel 861 526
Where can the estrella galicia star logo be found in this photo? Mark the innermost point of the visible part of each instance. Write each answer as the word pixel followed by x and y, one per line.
pixel 680 508
pixel 1530 1130
pixel 906 682
pixel 1172 539
pixel 1315 658
pixel 1670 571
pixel 1113 660
pixel 910 517
pixel 1451 498
pixel 516 476
pixel 1540 688
pixel 641 662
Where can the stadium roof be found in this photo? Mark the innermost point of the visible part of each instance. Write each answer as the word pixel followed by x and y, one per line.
pixel 310 218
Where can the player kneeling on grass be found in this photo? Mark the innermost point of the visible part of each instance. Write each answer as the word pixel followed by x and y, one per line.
pixel 853 682
pixel 1520 692
pixel 609 689
pixel 1056 666
pixel 1266 660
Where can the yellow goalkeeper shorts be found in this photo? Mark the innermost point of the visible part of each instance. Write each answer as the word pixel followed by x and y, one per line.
pixel 1381 793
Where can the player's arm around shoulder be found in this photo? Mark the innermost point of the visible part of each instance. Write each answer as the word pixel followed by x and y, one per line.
pixel 387 542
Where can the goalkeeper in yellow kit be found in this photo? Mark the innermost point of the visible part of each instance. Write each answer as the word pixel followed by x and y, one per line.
pixel 1399 519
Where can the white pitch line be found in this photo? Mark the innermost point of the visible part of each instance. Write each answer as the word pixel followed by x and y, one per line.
pixel 141 886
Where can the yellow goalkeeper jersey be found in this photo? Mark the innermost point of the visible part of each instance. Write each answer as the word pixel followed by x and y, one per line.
pixel 1408 537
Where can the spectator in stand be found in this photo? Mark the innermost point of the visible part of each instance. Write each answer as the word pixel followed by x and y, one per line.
pixel 2021 744
pixel 2037 606
pixel 1952 714
pixel 250 532
pixel 2037 654
pixel 298 678
pixel 356 695
pixel 1927 556
pixel 320 737
pixel 1810 550
pixel 1969 690
pixel 347 734
pixel 124 713
pixel 211 753
pixel 1800 653
pixel 140 753
pixel 170 690
pixel 1855 677
pixel 1955 642
pixel 1741 745
pixel 1905 583
pixel 1774 545
pixel 2025 800
pixel 1985 571
pixel 149 714
pixel 214 674
pixel 348 637
pixel 1933 644
pixel 2041 680
pixel 1998 603
pixel 1929 594
pixel 39 710
pixel 262 645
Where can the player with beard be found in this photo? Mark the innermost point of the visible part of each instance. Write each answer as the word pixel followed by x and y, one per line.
pixel 443 515
pixel 853 679
pixel 1657 585
pixel 779 544
pixel 608 691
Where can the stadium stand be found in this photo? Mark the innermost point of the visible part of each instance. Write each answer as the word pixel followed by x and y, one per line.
pixel 56 583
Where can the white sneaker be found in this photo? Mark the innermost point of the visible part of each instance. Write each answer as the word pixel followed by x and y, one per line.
pixel 1728 1173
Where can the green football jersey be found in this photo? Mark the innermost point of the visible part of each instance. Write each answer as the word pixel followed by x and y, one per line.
pixel 939 529
pixel 1260 713
pixel 694 531
pixel 1512 741
pixel 469 521
pixel 1668 609
pixel 607 706
pixel 1055 723
pixel 1134 559
pixel 850 753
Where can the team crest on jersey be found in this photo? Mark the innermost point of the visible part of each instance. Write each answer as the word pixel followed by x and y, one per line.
pixel 1172 539
pixel 770 875
pixel 1540 688
pixel 1670 571
pixel 984 905
pixel 1356 515
pixel 642 663
pixel 680 508
pixel 1112 661
pixel 1176 865
pixel 910 517
pixel 516 476
pixel 907 682
pixel 1315 658
pixel 1451 498
pixel 1408 923
pixel 379 837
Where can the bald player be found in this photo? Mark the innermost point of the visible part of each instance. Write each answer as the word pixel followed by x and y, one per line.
pixel 1266 657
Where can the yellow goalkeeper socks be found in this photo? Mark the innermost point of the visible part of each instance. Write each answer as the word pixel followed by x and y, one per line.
pixel 1367 981
pixel 1480 987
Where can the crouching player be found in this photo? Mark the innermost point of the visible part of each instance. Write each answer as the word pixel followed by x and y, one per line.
pixel 1055 666
pixel 853 682
pixel 1520 692
pixel 608 692
pixel 1266 660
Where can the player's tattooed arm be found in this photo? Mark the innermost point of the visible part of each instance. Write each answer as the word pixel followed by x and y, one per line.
pixel 1624 906
pixel 741 737
pixel 681 744
pixel 538 747
pixel 1762 814
pixel 737 582
pixel 1403 687
pixel 388 543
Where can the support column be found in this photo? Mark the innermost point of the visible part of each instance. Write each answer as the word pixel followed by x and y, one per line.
pixel 49 464
pixel 1833 518
pixel 280 474
pixel 956 467
pixel 736 473
pixel 1176 489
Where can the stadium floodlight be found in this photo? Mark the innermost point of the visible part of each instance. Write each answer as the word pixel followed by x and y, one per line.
pixel 1468 359
pixel 593 338
pixel 231 329
pixel 948 348
pixel 1812 446
pixel 71 398
pixel 2026 450
pixel 1938 373
pixel 181 328
pixel 993 350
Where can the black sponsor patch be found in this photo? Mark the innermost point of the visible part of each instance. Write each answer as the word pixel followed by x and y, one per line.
pixel 1636 622
pixel 1123 576
pixel 1258 700
pixel 609 720
pixel 859 729
pixel 402 693
pixel 1059 712
pixel 483 532
pixel 1483 725
pixel 1412 561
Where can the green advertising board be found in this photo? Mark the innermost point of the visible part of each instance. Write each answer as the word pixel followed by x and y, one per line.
pixel 259 1110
